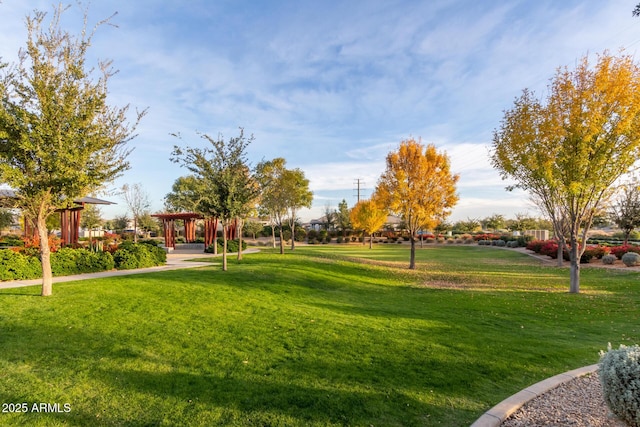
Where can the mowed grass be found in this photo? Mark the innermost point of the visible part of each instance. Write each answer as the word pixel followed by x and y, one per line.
pixel 323 336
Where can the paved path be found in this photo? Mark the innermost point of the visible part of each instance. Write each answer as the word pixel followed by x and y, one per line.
pixel 175 261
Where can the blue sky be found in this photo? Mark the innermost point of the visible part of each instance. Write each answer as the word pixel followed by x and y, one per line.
pixel 333 86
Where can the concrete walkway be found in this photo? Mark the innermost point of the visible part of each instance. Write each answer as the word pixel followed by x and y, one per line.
pixel 175 261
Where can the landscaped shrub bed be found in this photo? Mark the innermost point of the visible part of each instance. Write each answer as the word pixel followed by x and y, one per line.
pixel 25 264
pixel 18 266
pixel 550 248
pixel 138 255
pixel 11 240
pixel 618 251
pixel 68 261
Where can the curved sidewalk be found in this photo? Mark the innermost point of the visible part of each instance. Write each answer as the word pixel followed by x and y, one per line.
pixel 175 261
pixel 496 415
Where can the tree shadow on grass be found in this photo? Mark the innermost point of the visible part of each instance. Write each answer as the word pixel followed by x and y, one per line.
pixel 348 392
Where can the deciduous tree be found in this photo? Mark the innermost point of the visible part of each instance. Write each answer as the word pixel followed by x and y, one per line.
pixel 282 193
pixel 120 223
pixel 184 195
pixel 625 210
pixel 59 138
pixel 227 189
pixel 6 218
pixel 137 200
pixel 568 149
pixel 369 216
pixel 418 186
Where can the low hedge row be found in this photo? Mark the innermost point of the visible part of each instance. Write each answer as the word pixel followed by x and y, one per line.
pixel 550 248
pixel 130 256
pixel 232 246
pixel 67 261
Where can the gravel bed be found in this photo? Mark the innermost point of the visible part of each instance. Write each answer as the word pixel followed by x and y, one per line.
pixel 578 402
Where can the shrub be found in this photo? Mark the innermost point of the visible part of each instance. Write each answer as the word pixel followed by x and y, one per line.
pixel 12 240
pixel 18 266
pixel 631 259
pixel 301 235
pixel 620 378
pixel 138 255
pixel 69 261
pixel 549 248
pixel 618 251
pixel 609 259
pixel 536 245
pixel 232 246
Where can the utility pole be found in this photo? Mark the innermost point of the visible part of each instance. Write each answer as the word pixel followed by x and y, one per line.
pixel 358 182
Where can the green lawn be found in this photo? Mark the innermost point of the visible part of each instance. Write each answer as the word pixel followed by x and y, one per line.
pixel 323 336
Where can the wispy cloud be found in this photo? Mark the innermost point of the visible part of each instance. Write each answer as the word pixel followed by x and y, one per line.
pixel 334 86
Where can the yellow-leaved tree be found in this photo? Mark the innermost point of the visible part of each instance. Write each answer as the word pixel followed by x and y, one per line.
pixel 569 150
pixel 418 186
pixel 369 216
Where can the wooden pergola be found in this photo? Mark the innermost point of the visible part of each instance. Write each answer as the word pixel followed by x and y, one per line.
pixel 69 217
pixel 189 218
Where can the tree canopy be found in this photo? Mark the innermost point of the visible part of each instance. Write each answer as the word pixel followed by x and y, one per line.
pixel 137 200
pixel 282 193
pixel 569 149
pixel 418 186
pixel 369 216
pixel 625 209
pixel 225 187
pixel 59 138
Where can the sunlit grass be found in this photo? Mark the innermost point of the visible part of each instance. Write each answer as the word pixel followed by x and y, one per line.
pixel 323 336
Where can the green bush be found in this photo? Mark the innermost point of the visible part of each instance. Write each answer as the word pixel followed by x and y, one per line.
pixel 631 259
pixel 232 246
pixel 620 378
pixel 301 234
pixel 11 240
pixel 609 259
pixel 17 266
pixel 151 242
pixel 138 255
pixel 68 261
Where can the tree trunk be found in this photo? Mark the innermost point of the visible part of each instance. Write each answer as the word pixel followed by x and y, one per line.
pixel 574 257
pixel 240 223
pixel 412 261
pixel 135 229
pixel 560 253
pixel 45 255
pixel 281 242
pixel 273 235
pixel 225 228
pixel 293 236
pixel 370 241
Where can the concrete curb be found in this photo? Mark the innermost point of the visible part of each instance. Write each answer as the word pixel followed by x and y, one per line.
pixel 496 415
